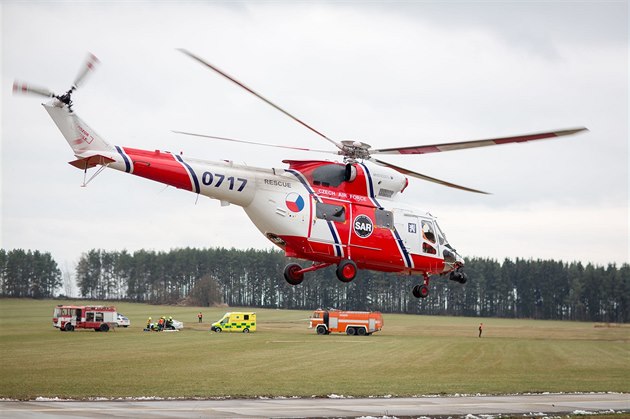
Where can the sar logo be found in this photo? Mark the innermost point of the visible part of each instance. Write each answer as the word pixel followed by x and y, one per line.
pixel 363 226
pixel 294 202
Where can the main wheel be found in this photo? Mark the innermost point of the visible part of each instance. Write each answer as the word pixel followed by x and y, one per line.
pixel 351 331
pixel 346 270
pixel 420 291
pixel 104 328
pixel 292 274
pixel 321 329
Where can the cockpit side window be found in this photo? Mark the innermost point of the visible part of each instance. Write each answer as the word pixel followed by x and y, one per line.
pixel 427 231
pixel 428 237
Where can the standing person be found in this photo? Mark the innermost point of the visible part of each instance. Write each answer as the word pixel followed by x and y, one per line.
pixel 480 329
pixel 200 317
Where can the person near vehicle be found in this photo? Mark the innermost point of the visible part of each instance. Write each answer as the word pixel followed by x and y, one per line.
pixel 161 324
pixel 200 317
pixel 149 323
pixel 480 329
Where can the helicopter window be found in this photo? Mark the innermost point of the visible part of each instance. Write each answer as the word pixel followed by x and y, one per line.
pixel 330 212
pixel 427 248
pixel 427 231
pixel 441 235
pixel 329 175
pixel 384 218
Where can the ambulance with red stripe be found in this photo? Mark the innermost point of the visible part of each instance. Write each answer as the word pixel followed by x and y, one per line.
pixel 347 214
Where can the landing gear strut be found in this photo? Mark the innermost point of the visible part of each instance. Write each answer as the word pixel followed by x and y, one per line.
pixel 294 274
pixel 346 271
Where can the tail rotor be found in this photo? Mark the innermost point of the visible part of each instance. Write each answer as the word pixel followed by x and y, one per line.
pixel 88 66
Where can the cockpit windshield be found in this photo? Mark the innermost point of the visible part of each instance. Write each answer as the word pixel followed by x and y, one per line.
pixel 441 235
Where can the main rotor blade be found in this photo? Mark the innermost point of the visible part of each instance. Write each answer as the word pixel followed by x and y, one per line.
pixel 436 148
pixel 259 96
pixel 89 66
pixel 252 142
pixel 425 177
pixel 24 88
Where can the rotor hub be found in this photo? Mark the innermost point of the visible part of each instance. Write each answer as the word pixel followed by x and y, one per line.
pixel 353 149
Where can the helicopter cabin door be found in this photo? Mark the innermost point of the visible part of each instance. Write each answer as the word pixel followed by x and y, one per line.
pixel 407 226
pixel 329 229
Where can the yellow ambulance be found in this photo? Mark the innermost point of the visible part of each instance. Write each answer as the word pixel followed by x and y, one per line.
pixel 235 322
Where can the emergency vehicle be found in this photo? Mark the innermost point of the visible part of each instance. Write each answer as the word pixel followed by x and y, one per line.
pixel 351 322
pixel 235 322
pixel 99 318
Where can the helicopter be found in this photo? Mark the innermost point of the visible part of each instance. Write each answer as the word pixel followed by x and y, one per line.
pixel 345 213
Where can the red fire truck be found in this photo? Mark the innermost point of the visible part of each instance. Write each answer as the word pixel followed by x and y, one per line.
pixel 350 322
pixel 99 318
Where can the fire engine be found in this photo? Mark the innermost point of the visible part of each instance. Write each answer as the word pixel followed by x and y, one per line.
pixel 99 318
pixel 351 322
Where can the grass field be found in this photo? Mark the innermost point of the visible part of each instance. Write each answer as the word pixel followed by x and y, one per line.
pixel 413 355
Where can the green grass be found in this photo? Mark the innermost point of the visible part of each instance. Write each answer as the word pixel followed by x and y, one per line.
pixel 413 355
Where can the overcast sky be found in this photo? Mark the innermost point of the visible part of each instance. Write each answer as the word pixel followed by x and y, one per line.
pixel 389 74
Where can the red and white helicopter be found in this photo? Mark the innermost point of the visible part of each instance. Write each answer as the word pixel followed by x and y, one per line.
pixel 330 213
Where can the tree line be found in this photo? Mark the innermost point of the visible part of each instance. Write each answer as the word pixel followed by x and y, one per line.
pixel 28 274
pixel 537 289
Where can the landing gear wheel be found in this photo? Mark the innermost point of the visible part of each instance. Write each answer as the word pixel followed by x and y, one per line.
pixel 346 270
pixel 420 291
pixel 292 274
pixel 321 330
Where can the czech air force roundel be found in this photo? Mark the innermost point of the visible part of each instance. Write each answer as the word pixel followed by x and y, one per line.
pixel 294 202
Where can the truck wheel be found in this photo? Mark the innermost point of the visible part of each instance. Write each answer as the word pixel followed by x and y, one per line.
pixel 104 328
pixel 68 327
pixel 351 331
pixel 292 274
pixel 246 330
pixel 346 270
pixel 217 329
pixel 361 331
pixel 321 329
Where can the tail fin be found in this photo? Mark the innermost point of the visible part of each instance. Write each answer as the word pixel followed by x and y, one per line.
pixel 81 138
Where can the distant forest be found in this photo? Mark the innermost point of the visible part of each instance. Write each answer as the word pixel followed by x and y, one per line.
pixel 536 289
